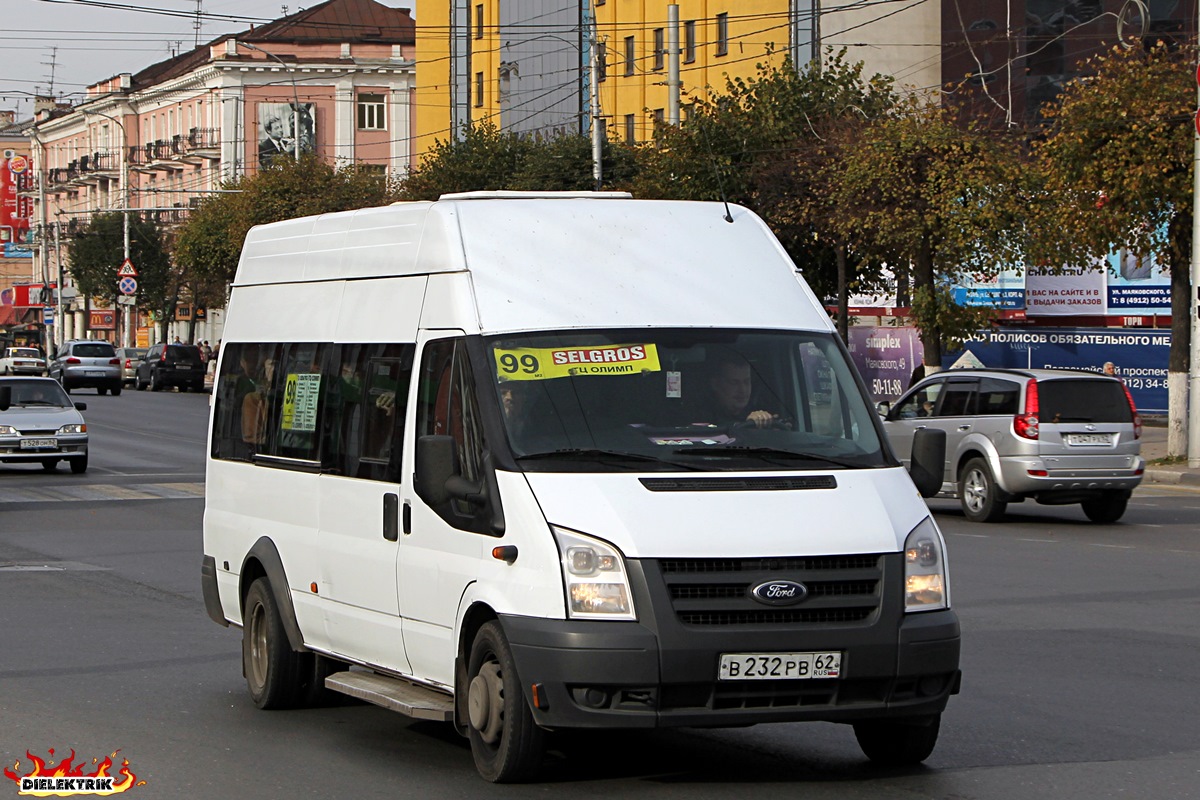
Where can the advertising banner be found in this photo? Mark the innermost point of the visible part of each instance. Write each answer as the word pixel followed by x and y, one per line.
pixel 1140 356
pixel 277 131
pixel 1004 290
pixel 16 175
pixel 1138 284
pixel 103 320
pixel 885 357
pixel 1065 292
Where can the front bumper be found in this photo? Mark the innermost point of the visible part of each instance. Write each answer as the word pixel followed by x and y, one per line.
pixel 68 446
pixel 659 672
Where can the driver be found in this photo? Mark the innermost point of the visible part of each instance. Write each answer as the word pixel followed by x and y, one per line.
pixel 731 386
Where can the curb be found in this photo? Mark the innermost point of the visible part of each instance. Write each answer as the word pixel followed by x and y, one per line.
pixel 1174 477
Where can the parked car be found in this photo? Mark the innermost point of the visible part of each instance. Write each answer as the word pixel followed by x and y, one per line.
pixel 87 363
pixel 130 358
pixel 22 361
pixel 171 365
pixel 39 424
pixel 1055 436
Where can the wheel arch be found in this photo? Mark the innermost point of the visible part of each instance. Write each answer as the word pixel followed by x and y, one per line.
pixel 263 561
pixel 979 446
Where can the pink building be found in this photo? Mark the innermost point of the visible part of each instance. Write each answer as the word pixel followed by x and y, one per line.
pixel 336 79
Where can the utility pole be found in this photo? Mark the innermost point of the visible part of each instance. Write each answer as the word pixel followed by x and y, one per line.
pixel 1194 299
pixel 594 78
pixel 673 64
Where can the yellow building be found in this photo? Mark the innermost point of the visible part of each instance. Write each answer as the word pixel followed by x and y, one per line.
pixel 479 61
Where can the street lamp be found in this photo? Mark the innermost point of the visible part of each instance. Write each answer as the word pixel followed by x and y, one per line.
pixel 295 97
pixel 124 203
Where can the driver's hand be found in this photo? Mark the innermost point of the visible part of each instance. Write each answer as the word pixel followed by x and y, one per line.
pixel 761 419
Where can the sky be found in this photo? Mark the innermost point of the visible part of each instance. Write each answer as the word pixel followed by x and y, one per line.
pixel 97 39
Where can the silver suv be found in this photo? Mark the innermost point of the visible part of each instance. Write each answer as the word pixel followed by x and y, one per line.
pixel 87 363
pixel 1056 436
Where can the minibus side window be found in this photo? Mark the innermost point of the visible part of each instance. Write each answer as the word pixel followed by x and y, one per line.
pixel 295 403
pixel 244 400
pixel 448 407
pixel 364 410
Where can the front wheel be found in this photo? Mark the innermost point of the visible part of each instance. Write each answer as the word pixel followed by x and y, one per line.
pixel 78 465
pixel 273 669
pixel 898 744
pixel 978 493
pixel 1106 509
pixel 505 741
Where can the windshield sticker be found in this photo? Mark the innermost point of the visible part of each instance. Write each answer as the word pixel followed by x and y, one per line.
pixel 691 440
pixel 544 363
pixel 300 402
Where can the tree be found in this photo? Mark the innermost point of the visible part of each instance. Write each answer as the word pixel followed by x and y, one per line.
pixel 946 198
pixel 210 243
pixel 770 144
pixel 1118 159
pixel 98 250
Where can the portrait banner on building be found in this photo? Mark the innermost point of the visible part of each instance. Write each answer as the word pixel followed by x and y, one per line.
pixel 279 127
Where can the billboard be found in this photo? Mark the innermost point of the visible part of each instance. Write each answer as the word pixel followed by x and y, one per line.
pixel 16 176
pixel 885 357
pixel 277 130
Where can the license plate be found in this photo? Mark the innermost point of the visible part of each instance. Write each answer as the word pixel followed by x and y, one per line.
pixel 776 666
pixel 1089 439
pixel 38 444
pixel 94 373
pixel 183 365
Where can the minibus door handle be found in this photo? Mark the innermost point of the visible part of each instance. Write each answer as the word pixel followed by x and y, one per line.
pixel 390 503
pixel 407 518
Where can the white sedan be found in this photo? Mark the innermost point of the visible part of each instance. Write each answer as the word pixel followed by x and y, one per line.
pixel 22 361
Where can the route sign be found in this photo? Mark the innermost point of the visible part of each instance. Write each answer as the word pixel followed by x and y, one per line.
pixel 127 286
pixel 126 270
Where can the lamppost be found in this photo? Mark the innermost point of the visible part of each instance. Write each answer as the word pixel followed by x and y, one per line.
pixel 295 97
pixel 128 342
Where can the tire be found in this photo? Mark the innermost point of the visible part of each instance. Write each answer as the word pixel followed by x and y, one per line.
pixel 506 743
pixel 116 390
pixel 137 384
pixel 978 494
pixel 273 670
pixel 1106 509
pixel 101 390
pixel 898 744
pixel 79 465
pixel 155 381
pixel 198 387
pixel 50 464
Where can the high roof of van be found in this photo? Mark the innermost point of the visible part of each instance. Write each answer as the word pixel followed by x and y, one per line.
pixel 556 260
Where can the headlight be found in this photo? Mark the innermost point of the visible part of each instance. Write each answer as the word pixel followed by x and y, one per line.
pixel 594 577
pixel 925 584
pixel 74 428
pixel 7 430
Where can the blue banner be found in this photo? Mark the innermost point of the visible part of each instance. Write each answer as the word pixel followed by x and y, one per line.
pixel 1139 355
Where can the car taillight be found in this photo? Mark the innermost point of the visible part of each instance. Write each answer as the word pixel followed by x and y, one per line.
pixel 1137 418
pixel 127 364
pixel 115 361
pixel 1026 425
pixel 163 355
pixel 73 360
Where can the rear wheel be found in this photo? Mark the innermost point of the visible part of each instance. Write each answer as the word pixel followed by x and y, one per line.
pixel 1107 508
pixel 978 493
pixel 898 744
pixel 155 381
pixel 273 669
pixel 116 390
pixel 505 742
pixel 79 465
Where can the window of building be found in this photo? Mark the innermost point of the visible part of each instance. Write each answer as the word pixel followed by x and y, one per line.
pixel 478 89
pixel 722 34
pixel 689 41
pixel 601 61
pixel 371 115
pixel 630 128
pixel 630 55
pixel 660 48
pixel 479 21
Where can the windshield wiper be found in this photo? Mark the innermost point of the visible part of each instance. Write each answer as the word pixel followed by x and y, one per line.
pixel 770 452
pixel 36 403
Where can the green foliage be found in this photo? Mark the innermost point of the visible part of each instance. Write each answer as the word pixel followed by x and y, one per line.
pixel 97 251
pixel 956 324
pixel 210 243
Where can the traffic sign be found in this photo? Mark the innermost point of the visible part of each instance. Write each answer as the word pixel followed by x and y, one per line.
pixel 127 286
pixel 127 270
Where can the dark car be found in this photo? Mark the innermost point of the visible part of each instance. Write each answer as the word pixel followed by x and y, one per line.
pixel 171 365
pixel 87 363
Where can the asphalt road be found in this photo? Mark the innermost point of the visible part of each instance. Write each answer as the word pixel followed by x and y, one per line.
pixel 1080 659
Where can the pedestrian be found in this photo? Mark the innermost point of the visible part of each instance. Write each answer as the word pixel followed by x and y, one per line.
pixel 1110 369
pixel 206 351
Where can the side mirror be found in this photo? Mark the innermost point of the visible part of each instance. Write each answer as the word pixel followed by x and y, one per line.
pixel 435 466
pixel 5 397
pixel 883 407
pixel 81 406
pixel 928 462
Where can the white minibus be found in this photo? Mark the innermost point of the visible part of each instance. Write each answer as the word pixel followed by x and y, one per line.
pixel 528 463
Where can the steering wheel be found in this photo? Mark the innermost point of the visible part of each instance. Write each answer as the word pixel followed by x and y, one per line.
pixel 776 424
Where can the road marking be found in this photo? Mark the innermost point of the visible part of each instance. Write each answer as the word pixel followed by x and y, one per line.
pixel 972 535
pixel 1114 546
pixel 1046 541
pixel 100 492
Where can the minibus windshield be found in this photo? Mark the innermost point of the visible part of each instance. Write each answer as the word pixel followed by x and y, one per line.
pixel 681 399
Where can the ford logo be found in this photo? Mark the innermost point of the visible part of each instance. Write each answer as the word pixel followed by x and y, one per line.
pixel 779 593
